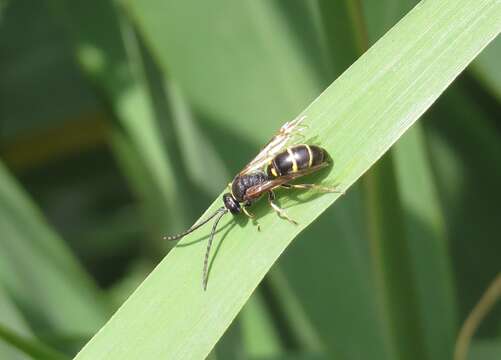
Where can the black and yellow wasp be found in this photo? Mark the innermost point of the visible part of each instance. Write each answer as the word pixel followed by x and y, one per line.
pixel 274 167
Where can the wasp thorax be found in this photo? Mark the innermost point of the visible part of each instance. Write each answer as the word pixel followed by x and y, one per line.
pixel 242 183
pixel 231 204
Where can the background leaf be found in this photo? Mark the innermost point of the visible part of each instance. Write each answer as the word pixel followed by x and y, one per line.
pixel 13 320
pixel 39 272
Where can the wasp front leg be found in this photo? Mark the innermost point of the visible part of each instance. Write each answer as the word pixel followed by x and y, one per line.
pixel 248 213
pixel 281 212
pixel 251 216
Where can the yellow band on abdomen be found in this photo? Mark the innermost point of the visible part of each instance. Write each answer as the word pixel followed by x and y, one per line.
pixel 293 159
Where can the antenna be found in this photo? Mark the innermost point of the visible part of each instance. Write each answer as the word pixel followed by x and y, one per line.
pixel 196 226
pixel 209 244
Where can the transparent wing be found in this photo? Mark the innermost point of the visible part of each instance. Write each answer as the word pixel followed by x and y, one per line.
pixel 256 191
pixel 277 143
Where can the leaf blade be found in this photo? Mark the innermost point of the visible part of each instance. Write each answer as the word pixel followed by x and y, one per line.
pixel 401 75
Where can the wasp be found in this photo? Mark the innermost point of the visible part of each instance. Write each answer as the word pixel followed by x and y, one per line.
pixel 276 165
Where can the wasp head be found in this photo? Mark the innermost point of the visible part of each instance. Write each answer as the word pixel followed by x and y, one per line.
pixel 231 204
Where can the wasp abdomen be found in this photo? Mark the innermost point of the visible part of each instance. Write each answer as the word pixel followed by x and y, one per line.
pixel 294 159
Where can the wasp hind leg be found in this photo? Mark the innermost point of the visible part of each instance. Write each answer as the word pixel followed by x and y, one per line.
pixel 312 187
pixel 281 212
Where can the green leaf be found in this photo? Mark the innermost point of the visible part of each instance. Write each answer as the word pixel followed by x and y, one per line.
pixel 28 29
pixel 424 255
pixel 427 246
pixel 260 337
pixel 329 269
pixel 392 259
pixel 463 134
pixel 108 50
pixel 33 348
pixel 487 68
pixel 356 119
pixel 488 349
pixel 154 119
pixel 418 251
pixel 298 321
pixel 230 346
pixel 380 16
pixel 410 251
pixel 228 85
pixel 11 318
pixel 39 272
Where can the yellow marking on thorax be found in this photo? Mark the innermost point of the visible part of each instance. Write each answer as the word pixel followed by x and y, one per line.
pixel 294 162
pixel 310 160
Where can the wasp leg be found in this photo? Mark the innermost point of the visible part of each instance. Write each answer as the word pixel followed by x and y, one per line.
pixel 252 217
pixel 248 213
pixel 313 187
pixel 281 212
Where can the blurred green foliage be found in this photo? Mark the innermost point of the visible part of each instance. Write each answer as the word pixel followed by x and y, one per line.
pixel 104 148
